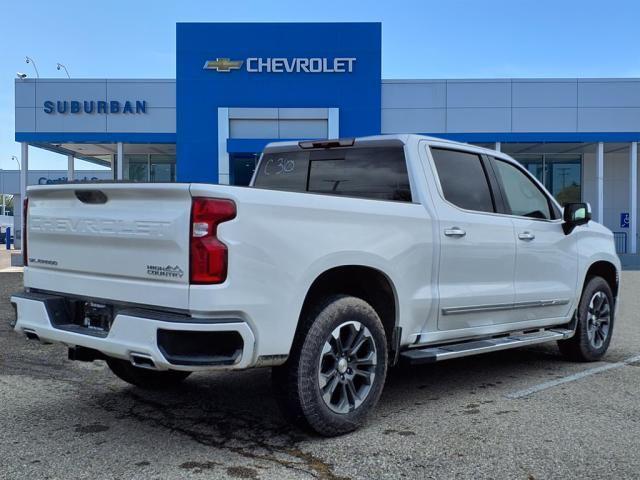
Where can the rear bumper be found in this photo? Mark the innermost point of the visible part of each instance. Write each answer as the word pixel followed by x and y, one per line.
pixel 134 334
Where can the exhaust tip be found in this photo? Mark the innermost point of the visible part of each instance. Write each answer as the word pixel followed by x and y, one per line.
pixel 142 360
pixel 31 334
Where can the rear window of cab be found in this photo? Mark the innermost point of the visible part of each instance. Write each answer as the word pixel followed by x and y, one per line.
pixel 378 173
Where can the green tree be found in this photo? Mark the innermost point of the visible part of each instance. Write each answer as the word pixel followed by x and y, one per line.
pixel 8 204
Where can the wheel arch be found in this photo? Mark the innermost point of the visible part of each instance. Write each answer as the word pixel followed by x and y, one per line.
pixel 368 283
pixel 606 270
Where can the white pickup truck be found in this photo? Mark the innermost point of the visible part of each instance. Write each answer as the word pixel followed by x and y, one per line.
pixel 342 258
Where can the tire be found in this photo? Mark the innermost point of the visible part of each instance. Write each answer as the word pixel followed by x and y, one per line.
pixel 145 378
pixel 319 362
pixel 595 323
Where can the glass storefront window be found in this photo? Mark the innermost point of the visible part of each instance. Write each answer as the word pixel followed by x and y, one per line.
pixel 163 168
pixel 136 168
pixel 150 167
pixel 564 174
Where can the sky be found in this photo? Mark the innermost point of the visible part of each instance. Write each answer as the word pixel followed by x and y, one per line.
pixel 420 39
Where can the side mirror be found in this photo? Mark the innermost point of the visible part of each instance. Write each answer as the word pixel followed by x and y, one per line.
pixel 575 214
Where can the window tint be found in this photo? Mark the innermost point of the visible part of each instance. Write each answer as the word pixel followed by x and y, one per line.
pixel 365 172
pixel 283 171
pixel 522 196
pixel 463 179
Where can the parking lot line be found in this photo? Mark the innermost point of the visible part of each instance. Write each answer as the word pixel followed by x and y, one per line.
pixel 571 378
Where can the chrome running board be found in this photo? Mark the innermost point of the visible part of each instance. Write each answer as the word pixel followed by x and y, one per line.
pixel 419 356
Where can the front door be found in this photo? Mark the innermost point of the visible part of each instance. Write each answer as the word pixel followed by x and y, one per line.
pixel 546 270
pixel 477 255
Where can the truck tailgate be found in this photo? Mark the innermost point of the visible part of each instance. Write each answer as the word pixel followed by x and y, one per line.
pixel 128 242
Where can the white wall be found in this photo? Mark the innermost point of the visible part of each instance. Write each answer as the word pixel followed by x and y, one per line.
pixel 278 122
pixel 511 105
pixel 160 97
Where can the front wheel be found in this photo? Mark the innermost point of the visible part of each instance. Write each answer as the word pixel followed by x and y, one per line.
pixel 595 323
pixel 337 367
pixel 145 378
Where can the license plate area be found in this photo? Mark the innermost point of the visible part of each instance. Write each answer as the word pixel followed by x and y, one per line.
pixel 81 316
pixel 97 316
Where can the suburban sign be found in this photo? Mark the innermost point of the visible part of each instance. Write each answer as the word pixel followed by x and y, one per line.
pixel 284 65
pixel 94 106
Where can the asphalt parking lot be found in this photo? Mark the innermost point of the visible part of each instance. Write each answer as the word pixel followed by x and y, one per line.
pixel 517 414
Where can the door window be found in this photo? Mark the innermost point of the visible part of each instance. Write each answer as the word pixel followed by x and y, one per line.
pixel 463 179
pixel 522 195
pixel 561 173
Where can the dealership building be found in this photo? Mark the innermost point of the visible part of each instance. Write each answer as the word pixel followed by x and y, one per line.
pixel 240 86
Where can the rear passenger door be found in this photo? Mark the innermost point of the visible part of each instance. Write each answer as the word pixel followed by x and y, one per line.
pixel 546 270
pixel 477 253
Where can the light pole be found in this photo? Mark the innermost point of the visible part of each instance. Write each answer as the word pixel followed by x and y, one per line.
pixel 2 187
pixel 17 161
pixel 62 66
pixel 30 60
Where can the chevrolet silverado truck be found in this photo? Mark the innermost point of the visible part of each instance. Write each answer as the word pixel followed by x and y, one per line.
pixel 342 258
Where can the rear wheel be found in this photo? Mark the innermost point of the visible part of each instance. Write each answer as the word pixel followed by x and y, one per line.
pixel 595 323
pixel 336 370
pixel 145 378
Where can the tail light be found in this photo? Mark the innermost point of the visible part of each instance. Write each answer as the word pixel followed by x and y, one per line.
pixel 208 255
pixel 25 208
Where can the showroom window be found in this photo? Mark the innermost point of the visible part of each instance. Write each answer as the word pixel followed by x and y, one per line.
pixel 150 167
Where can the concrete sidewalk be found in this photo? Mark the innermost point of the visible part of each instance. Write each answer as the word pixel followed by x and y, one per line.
pixel 10 259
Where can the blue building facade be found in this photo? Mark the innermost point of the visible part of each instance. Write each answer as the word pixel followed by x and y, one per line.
pixel 278 65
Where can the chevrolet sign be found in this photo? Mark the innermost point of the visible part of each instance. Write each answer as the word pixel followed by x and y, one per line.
pixel 284 65
pixel 222 64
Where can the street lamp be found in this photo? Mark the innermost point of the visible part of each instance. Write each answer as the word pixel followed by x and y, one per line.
pixel 30 60
pixel 2 187
pixel 61 65
pixel 17 161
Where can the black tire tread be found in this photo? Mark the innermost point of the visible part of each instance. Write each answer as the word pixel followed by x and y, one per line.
pixel 296 392
pixel 578 348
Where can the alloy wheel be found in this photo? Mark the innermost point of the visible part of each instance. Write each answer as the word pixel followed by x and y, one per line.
pixel 347 367
pixel 598 319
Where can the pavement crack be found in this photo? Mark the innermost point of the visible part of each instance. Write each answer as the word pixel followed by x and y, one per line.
pixel 244 435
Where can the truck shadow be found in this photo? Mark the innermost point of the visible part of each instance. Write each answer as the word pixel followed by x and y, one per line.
pixel 239 407
pixel 235 414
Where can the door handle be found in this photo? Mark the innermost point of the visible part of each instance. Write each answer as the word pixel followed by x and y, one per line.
pixel 526 236
pixel 454 232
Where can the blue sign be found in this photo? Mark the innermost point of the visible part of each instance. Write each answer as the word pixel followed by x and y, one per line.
pixel 624 220
pixel 93 106
pixel 267 65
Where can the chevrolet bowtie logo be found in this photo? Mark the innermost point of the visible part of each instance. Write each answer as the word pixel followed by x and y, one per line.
pixel 223 64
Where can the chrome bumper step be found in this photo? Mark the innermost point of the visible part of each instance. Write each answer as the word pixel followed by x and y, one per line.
pixel 417 356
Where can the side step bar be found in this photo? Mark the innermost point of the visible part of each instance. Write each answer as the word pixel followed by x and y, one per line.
pixel 418 356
